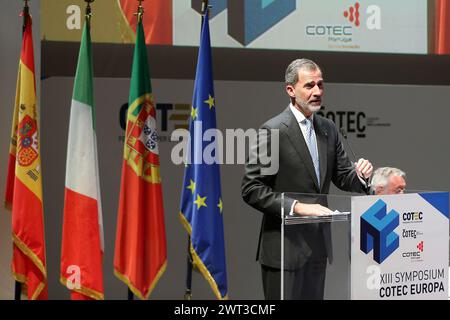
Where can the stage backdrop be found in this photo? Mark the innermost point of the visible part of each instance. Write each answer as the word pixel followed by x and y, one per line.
pixel 403 126
pixel 378 26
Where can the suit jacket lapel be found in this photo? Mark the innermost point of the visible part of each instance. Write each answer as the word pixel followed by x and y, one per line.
pixel 296 138
pixel 322 138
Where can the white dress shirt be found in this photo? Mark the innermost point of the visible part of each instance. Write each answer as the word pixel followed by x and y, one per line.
pixel 300 117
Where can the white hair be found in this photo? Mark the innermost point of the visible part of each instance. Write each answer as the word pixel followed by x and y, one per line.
pixel 381 176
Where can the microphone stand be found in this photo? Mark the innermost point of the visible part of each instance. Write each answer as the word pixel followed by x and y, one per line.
pixel 366 180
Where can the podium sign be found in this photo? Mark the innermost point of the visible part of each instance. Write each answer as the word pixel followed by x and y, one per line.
pixel 400 247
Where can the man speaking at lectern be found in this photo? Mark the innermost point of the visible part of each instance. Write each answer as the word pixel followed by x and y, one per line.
pixel 311 155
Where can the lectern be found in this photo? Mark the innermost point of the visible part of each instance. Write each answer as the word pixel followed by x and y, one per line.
pixel 378 247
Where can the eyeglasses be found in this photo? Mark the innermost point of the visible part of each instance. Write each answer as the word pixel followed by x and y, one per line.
pixel 399 190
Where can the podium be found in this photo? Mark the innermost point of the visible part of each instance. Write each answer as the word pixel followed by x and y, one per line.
pixel 379 247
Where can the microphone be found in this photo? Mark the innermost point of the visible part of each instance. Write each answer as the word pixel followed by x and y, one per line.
pixel 344 134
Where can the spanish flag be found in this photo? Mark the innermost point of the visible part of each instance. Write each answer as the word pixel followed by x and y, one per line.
pixel 140 250
pixel 24 179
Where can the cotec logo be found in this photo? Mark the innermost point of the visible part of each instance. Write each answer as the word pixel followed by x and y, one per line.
pixel 353 14
pixel 420 246
pixel 414 255
pixel 377 231
pixel 337 32
pixel 412 216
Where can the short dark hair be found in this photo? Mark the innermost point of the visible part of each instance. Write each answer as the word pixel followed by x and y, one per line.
pixel 291 75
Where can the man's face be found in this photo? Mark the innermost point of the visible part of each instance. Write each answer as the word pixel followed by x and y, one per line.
pixel 308 91
pixel 396 185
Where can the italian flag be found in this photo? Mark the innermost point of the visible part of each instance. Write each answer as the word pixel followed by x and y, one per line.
pixel 82 243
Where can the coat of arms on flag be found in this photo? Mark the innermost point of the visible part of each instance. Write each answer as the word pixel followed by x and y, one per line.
pixel 27 151
pixel 141 147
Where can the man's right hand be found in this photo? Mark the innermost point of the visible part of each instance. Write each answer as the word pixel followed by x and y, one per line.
pixel 305 209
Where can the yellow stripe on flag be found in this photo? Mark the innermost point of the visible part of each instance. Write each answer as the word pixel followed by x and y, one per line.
pixel 29 175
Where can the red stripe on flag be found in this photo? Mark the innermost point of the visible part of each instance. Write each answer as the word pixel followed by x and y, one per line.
pixel 27 55
pixel 140 252
pixel 81 246
pixel 28 228
pixel 27 221
pixel 33 277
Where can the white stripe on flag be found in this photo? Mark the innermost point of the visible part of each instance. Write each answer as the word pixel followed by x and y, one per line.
pixel 82 174
pixel 81 168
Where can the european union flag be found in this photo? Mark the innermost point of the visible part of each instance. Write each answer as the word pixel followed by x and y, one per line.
pixel 201 200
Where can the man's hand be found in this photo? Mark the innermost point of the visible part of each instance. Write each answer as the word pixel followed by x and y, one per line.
pixel 364 168
pixel 304 209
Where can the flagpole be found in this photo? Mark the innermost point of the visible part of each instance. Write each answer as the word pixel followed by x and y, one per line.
pixel 17 290
pixel 139 14
pixel 188 292
pixel 26 14
pixel 88 11
pixel 130 294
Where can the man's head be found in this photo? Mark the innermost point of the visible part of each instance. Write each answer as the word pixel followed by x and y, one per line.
pixel 304 85
pixel 388 180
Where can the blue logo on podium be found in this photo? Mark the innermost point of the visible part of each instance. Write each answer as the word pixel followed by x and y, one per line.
pixel 377 231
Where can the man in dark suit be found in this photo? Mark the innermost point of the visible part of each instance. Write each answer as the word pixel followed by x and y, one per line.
pixel 311 156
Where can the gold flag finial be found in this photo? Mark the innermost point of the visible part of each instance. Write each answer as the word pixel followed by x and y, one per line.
pixel 205 6
pixel 88 10
pixel 140 12
pixel 26 14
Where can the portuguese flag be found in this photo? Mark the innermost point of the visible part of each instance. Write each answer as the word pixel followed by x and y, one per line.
pixel 24 179
pixel 140 248
pixel 82 241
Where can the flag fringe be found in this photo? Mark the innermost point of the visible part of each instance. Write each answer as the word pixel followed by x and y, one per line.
pixel 23 279
pixel 136 291
pixel 30 254
pixel 91 293
pixel 199 263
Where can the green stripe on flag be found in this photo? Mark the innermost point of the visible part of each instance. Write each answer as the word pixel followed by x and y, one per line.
pixel 140 76
pixel 83 86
